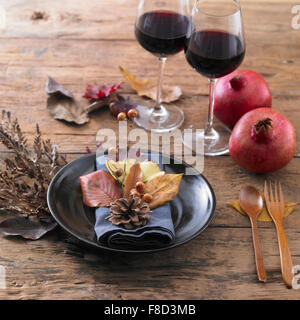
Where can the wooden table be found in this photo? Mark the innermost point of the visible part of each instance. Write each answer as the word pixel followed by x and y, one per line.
pixel 79 43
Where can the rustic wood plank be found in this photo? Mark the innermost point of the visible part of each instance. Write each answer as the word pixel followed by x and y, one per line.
pixel 219 264
pixel 102 20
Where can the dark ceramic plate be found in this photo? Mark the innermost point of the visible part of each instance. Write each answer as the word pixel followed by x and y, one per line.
pixel 192 209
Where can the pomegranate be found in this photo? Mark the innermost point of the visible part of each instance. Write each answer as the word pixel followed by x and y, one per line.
pixel 239 92
pixel 262 141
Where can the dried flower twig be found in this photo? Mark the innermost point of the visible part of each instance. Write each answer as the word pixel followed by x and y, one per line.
pixel 25 176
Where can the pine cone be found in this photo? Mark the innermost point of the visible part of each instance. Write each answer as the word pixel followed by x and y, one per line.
pixel 129 213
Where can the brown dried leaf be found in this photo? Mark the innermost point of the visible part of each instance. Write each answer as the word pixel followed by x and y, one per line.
pixel 63 108
pixel 135 175
pixel 27 228
pixel 163 188
pixel 62 105
pixel 99 189
pixel 144 87
pixel 53 87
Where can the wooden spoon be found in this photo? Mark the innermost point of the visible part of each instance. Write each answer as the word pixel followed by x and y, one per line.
pixel 252 203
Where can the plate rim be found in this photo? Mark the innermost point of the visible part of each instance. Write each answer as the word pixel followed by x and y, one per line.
pixel 96 245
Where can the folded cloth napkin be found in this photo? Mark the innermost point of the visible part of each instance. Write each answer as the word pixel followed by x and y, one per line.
pixel 157 233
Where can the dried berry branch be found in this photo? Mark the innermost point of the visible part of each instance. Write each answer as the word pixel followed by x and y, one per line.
pixel 25 176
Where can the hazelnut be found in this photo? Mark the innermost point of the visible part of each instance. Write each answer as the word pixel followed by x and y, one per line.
pixel 140 187
pixel 132 113
pixel 119 172
pixel 121 116
pixel 147 197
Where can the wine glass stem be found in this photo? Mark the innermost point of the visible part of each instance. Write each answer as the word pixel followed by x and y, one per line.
pixel 209 124
pixel 162 63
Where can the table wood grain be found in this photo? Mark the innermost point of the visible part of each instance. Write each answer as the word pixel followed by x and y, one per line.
pixel 80 44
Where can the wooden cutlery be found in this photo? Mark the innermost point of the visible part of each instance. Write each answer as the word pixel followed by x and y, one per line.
pixel 275 206
pixel 252 203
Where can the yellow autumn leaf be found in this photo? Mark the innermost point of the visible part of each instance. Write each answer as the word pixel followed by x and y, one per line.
pixel 136 83
pixel 149 168
pixel 112 166
pixel 264 215
pixel 163 188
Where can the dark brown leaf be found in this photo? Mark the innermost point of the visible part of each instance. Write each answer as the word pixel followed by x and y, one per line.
pixel 27 228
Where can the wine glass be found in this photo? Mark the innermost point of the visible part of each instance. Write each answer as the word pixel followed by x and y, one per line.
pixel 161 28
pixel 215 47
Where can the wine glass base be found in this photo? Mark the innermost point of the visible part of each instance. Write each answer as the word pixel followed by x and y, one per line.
pixel 168 118
pixel 215 143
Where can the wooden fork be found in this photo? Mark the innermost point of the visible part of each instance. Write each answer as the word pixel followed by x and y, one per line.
pixel 275 205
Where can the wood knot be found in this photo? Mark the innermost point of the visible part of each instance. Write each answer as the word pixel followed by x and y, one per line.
pixel 39 15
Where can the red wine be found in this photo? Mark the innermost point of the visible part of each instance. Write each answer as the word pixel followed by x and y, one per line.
pixel 214 53
pixel 162 33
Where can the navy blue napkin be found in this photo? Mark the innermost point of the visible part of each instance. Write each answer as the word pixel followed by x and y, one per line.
pixel 157 233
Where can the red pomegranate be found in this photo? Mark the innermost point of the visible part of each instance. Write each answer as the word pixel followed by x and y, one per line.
pixel 239 92
pixel 263 140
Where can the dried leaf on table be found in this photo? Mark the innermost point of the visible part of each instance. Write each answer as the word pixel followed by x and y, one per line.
pixel 62 105
pixel 99 189
pixel 53 87
pixel 136 83
pixel 163 188
pixel 63 108
pixel 135 175
pixel 264 215
pixel 144 87
pixel 28 228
